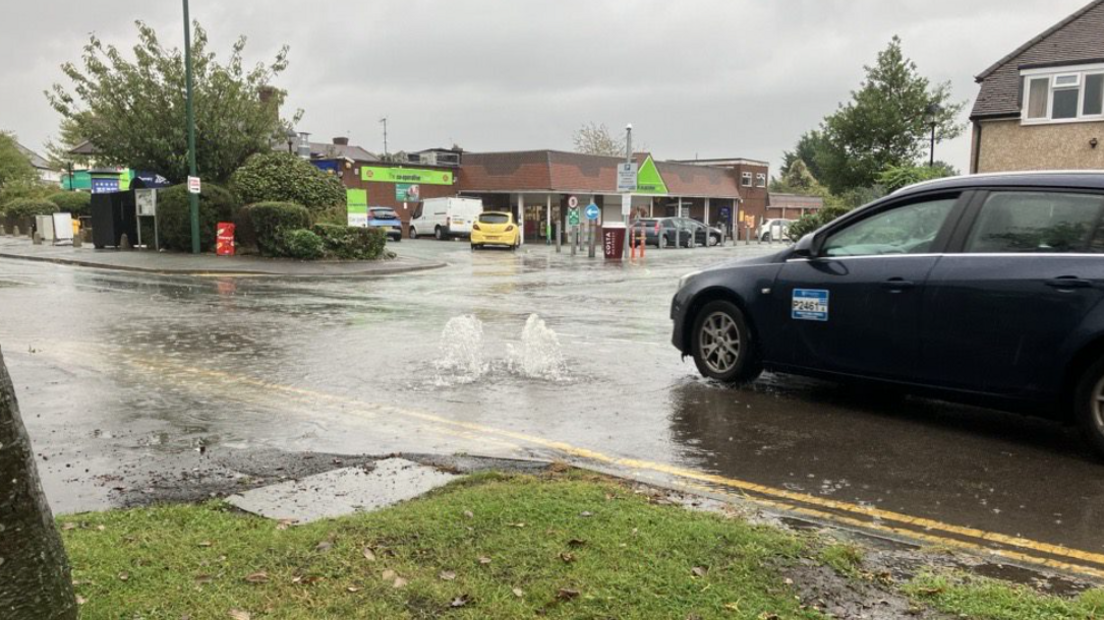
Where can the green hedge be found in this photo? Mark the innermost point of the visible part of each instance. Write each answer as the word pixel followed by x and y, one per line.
pixel 302 244
pixel 77 203
pixel 283 177
pixel 266 222
pixel 174 223
pixel 814 221
pixel 29 207
pixel 352 242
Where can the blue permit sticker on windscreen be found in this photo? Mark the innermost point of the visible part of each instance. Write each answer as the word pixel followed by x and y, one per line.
pixel 809 304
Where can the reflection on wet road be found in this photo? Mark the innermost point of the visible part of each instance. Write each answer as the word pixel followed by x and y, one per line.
pixel 120 372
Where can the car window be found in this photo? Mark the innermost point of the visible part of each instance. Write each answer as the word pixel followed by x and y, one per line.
pixel 1016 222
pixel 494 218
pixel 384 214
pixel 907 229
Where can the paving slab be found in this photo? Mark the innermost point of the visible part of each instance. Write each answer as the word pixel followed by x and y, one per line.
pixel 152 261
pixel 342 491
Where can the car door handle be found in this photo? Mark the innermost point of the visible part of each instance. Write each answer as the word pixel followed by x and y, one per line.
pixel 1068 282
pixel 897 284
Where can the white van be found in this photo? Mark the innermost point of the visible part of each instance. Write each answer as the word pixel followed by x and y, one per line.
pixel 445 218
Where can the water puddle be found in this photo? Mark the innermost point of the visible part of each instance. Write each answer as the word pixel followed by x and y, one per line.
pixel 462 354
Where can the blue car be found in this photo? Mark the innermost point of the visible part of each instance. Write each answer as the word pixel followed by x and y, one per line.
pixel 387 219
pixel 984 289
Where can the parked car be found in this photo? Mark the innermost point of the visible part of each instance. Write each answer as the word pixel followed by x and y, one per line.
pixel 777 229
pixel 664 232
pixel 495 228
pixel 445 218
pixel 984 289
pixel 386 218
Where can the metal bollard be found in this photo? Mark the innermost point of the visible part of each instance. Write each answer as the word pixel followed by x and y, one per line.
pixel 559 238
pixel 592 237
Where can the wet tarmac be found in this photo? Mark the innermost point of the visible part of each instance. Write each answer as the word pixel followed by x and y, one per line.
pixel 123 377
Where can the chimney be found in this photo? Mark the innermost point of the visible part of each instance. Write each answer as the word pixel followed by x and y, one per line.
pixel 341 141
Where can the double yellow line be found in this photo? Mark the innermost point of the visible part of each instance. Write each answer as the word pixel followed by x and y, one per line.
pixel 1013 548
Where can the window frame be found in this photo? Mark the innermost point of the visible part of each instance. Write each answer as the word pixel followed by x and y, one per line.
pixel 760 179
pixel 747 179
pixel 971 218
pixel 1052 75
pixel 944 239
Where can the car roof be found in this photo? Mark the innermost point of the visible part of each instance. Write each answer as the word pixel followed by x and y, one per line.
pixel 1069 179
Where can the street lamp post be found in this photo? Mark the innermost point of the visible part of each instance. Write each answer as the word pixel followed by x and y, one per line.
pixel 193 199
pixel 931 113
pixel 627 213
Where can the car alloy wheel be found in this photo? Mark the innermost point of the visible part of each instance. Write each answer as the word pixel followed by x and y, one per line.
pixel 765 238
pixel 438 233
pixel 663 241
pixel 1089 406
pixel 413 233
pixel 721 344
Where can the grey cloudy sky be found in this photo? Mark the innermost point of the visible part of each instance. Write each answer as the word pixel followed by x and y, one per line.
pixel 706 78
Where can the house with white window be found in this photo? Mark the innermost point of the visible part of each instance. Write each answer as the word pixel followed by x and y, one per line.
pixel 1042 106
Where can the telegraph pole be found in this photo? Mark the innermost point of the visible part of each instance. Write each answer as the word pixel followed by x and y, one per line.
pixel 384 122
pixel 193 199
pixel 627 214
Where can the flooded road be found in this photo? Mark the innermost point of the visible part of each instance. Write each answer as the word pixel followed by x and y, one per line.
pixel 501 354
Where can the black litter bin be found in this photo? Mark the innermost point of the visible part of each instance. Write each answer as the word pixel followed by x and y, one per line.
pixel 112 216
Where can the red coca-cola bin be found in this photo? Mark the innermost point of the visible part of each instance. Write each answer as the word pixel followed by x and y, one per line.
pixel 613 240
pixel 224 239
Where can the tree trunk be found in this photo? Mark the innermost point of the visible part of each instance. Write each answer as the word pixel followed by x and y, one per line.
pixel 34 572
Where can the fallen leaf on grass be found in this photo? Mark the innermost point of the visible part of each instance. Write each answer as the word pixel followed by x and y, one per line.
pixel 699 571
pixel 81 600
pixel 586 513
pixel 517 525
pixel 389 575
pixel 399 583
pixel 238 614
pixel 566 594
pixel 484 560
pixel 284 524
pixel 732 606
pixel 518 592
pixel 124 576
pixel 261 577
pixel 101 528
pixel 567 557
pixel 447 575
pixel 369 554
pixel 469 514
pixel 353 589
pixel 325 545
pixel 205 543
pixel 766 615
pixel 460 601
pixel 202 579
pixel 68 526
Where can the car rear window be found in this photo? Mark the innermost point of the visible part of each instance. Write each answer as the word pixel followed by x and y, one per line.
pixel 384 214
pixel 1043 222
pixel 494 218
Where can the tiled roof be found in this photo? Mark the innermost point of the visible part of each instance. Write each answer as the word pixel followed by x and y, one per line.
pixel 561 171
pixel 1078 38
pixel 36 160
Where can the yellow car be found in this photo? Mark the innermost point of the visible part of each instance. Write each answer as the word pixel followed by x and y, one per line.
pixel 495 228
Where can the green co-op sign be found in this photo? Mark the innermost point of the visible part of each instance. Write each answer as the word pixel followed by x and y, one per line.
pixel 418 176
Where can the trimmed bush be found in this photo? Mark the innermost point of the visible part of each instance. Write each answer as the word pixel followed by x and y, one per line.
pixel 174 223
pixel 283 177
pixel 77 203
pixel 811 222
pixel 29 207
pixel 302 244
pixel 267 221
pixel 352 242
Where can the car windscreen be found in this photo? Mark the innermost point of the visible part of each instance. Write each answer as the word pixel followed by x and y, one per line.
pixel 494 218
pixel 383 214
pixel 645 223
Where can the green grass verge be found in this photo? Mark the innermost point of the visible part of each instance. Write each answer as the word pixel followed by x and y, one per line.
pixel 964 594
pixel 492 546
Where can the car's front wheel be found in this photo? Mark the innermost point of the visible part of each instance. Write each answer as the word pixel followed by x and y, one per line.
pixel 663 241
pixel 439 233
pixel 413 233
pixel 721 344
pixel 1089 406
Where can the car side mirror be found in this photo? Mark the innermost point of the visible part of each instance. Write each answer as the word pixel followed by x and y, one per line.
pixel 806 247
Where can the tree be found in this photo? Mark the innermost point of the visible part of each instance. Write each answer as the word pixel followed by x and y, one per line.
pixel 134 111
pixel 885 124
pixel 14 165
pixel 37 583
pixel 69 137
pixel 797 179
pixel 805 151
pixel 283 177
pixel 595 139
pixel 894 178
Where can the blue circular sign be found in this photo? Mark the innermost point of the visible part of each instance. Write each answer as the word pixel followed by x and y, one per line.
pixel 592 211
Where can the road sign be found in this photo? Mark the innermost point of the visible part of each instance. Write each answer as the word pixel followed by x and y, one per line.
pixel 626 177
pixel 193 185
pixel 572 201
pixel 592 211
pixel 573 217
